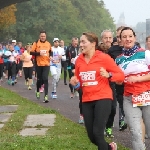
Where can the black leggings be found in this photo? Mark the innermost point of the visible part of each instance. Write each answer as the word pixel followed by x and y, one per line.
pixel 80 101
pixel 113 107
pixel 28 72
pixel 70 75
pixel 95 115
pixel 64 66
pixel 119 95
pixel 1 70
pixel 42 77
pixel 12 70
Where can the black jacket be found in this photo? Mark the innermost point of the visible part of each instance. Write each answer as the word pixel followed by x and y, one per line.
pixel 115 51
pixel 71 53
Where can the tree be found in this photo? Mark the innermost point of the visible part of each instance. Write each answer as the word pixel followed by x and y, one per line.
pixel 7 16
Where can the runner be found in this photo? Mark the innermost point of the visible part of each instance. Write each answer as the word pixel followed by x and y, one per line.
pixel 91 75
pixel 71 52
pixel 41 50
pixel 12 62
pixel 115 51
pixel 1 63
pixel 107 39
pixel 55 65
pixel 27 66
pixel 148 42
pixel 135 65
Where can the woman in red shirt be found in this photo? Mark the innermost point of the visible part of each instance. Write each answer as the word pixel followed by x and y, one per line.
pixel 93 71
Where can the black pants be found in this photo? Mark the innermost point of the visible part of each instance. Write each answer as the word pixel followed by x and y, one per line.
pixel 28 72
pixel 12 70
pixel 64 66
pixel 1 70
pixel 95 117
pixel 42 77
pixel 119 95
pixel 70 75
pixel 113 107
pixel 80 101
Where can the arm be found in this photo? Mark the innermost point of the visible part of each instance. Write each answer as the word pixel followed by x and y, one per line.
pixel 116 72
pixel 33 51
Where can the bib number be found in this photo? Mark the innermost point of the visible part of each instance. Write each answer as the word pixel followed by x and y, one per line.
pixel 141 100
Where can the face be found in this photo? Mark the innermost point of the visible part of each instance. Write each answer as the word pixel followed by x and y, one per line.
pixel 85 45
pixel 127 39
pixel 11 47
pixel 20 45
pixel 6 46
pixel 14 43
pixel 75 42
pixel 56 43
pixel 148 43
pixel 107 39
pixel 118 37
pixel 43 37
pixel 61 43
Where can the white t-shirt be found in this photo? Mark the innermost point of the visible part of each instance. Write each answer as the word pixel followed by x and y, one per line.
pixel 56 53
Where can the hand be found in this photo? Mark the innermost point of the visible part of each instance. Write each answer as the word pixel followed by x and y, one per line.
pixel 73 70
pixel 59 56
pixel 119 83
pixel 133 79
pixel 51 58
pixel 104 73
pixel 72 60
pixel 74 81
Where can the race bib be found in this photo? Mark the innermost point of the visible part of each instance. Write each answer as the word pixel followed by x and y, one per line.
pixel 141 100
pixel 43 51
pixel 69 67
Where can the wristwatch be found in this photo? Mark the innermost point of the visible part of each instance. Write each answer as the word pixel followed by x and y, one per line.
pixel 110 75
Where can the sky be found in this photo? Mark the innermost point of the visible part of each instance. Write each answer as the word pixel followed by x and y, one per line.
pixel 134 10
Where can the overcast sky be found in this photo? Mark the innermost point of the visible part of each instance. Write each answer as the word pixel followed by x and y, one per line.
pixel 134 10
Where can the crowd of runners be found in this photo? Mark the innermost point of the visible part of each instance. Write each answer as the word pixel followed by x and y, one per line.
pixel 101 73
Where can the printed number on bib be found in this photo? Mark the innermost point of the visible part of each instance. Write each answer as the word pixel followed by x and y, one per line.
pixel 141 100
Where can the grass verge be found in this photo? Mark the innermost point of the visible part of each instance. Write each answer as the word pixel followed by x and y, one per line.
pixel 65 135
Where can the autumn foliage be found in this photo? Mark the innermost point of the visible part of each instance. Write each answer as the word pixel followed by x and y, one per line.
pixel 7 16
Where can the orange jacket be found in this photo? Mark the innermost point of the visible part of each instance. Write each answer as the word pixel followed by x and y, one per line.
pixel 94 86
pixel 36 48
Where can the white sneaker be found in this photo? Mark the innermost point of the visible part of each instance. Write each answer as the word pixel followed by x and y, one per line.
pixel 76 94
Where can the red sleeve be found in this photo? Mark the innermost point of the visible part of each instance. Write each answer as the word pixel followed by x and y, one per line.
pixel 117 73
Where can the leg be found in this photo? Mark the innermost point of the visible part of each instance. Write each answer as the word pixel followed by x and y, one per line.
pixel 65 72
pixel 39 70
pixel 45 75
pixel 146 114
pixel 134 117
pixel 70 86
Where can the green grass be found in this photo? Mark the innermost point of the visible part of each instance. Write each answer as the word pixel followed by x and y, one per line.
pixel 65 135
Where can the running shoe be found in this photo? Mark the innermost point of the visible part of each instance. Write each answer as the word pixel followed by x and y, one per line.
pixel 72 95
pixel 81 120
pixel 38 95
pixel 9 82
pixel 122 126
pixel 29 88
pixel 46 99
pixel 109 133
pixel 42 89
pixel 113 146
pixel 12 83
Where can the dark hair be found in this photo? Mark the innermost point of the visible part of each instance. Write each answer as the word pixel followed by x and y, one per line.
pixel 74 38
pixel 92 37
pixel 42 31
pixel 138 44
pixel 147 38
pixel 127 28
